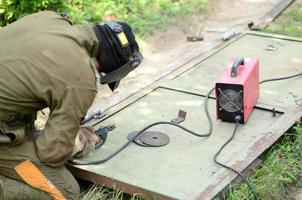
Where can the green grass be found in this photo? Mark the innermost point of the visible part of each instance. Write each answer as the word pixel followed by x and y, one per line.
pixel 289 23
pixel 281 168
pixel 97 192
pixel 145 16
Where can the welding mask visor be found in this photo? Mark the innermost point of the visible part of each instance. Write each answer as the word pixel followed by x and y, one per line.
pixel 118 52
pixel 113 78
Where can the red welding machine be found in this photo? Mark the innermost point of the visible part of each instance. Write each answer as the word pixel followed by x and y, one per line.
pixel 237 90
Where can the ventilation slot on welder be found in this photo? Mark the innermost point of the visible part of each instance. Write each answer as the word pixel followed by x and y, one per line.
pixel 237 90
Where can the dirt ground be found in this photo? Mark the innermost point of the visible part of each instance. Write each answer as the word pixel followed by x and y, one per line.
pixel 167 45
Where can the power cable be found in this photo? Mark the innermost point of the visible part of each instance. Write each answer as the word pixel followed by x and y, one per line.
pixel 281 78
pixel 82 162
pixel 237 119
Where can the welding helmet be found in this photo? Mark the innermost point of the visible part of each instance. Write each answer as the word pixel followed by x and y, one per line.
pixel 118 52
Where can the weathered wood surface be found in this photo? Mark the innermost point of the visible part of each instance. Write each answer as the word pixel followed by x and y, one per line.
pixel 184 169
pixel 263 21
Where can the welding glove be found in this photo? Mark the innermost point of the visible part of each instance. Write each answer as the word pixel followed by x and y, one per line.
pixel 85 142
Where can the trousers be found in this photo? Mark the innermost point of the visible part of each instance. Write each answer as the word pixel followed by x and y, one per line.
pixel 12 186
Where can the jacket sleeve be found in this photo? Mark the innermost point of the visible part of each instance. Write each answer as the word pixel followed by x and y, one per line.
pixel 67 107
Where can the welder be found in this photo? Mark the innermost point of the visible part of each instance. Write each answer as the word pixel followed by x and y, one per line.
pixel 46 61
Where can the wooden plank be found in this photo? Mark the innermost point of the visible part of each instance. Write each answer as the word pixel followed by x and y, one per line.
pixel 270 16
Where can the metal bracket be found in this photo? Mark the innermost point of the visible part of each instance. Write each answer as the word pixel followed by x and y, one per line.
pixel 181 117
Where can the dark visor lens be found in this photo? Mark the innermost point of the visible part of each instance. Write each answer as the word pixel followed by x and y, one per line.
pixel 122 71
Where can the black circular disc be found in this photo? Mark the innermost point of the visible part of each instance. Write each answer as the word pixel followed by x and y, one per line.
pixel 154 138
pixel 136 140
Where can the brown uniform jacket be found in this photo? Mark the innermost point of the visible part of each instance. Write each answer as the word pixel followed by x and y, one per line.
pixel 44 62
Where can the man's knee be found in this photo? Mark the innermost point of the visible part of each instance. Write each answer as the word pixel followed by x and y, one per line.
pixel 65 185
pixel 63 181
pixel 11 189
pixel 69 188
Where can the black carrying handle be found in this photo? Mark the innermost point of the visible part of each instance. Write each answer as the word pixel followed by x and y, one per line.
pixel 236 64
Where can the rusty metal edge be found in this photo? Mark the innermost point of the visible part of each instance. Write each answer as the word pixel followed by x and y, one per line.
pixel 111 183
pixel 255 164
pixel 270 15
pixel 270 136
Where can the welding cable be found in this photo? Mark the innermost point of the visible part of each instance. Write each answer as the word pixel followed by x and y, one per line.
pixel 237 119
pixel 281 78
pixel 94 162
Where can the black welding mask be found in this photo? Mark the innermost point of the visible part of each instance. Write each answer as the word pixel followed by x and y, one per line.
pixel 118 52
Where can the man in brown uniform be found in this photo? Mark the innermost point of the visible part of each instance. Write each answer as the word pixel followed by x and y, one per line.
pixel 45 61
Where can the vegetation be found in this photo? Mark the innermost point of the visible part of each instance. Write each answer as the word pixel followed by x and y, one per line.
pixel 280 169
pixel 144 15
pixel 97 192
pixel 289 23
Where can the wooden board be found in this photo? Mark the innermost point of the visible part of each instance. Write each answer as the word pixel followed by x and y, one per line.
pixel 184 169
pixel 263 21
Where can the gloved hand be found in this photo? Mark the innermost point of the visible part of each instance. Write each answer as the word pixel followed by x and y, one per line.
pixel 85 142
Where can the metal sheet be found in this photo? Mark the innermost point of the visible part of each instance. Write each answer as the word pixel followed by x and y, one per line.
pixel 136 140
pixel 286 60
pixel 150 139
pixel 184 168
pixel 155 139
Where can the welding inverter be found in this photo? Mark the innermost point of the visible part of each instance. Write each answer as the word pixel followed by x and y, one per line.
pixel 237 90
